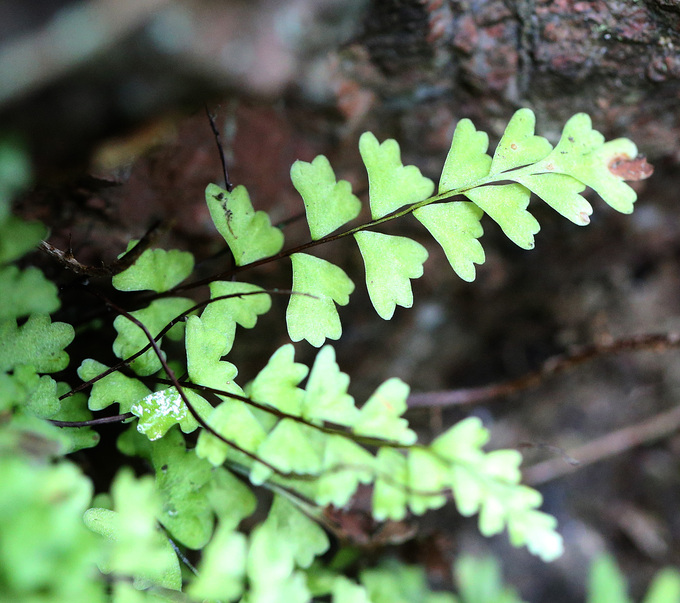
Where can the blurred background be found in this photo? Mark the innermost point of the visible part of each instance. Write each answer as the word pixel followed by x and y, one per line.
pixel 111 98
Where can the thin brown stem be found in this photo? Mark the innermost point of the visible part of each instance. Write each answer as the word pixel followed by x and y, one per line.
pixel 91 422
pixel 190 407
pixel 313 243
pixel 655 428
pixel 325 427
pixel 67 259
pixel 180 390
pixel 220 149
pixel 125 362
pixel 554 366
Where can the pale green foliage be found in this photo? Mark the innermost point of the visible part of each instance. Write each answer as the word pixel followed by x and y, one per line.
pixel 390 262
pixel 183 482
pixel 326 397
pixel 467 165
pixel 394 582
pixel 232 212
pixel 16 236
pixel 479 580
pixel 270 559
pixel 115 387
pixel 484 483
pixel 381 418
pixel 276 384
pixel 456 228
pixel 155 269
pixel 211 336
pixel 318 286
pixel 74 408
pixel 223 567
pixel 191 492
pixel 15 175
pixel 160 410
pixel 237 425
pixel 33 393
pixel 285 541
pixel 583 154
pixel 26 292
pixel 488 483
pixel 665 588
pixel 36 346
pixel 294 431
pixel 607 584
pixel 329 204
pixel 242 305
pixel 31 396
pixel 204 349
pixel 135 545
pixel 154 317
pixel 391 185
pixel 38 343
pixel 46 553
pixel 529 162
pixel 345 591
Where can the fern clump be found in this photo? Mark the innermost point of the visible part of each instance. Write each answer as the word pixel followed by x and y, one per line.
pixel 293 430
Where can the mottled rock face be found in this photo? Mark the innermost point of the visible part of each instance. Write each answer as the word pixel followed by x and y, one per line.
pixel 396 35
pixel 616 60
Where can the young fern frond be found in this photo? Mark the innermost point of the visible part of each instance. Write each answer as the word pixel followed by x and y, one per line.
pixel 499 186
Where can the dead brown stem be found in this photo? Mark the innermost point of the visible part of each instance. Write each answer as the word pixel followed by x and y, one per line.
pixel 611 444
pixel 457 397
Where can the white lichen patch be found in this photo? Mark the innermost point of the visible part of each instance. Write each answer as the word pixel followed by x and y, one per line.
pixel 158 412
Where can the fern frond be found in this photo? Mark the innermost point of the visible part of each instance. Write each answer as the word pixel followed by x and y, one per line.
pixel 131 338
pixel 135 547
pixel 391 184
pixel 156 269
pixel 500 186
pixel 318 286
pixel 329 204
pixel 390 262
pixel 324 464
pixel 248 233
pixel 456 227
